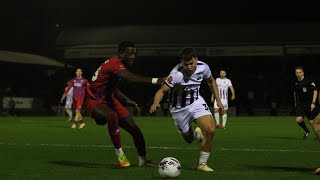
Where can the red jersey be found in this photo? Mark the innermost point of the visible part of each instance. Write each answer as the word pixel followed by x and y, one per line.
pixel 105 79
pixel 79 87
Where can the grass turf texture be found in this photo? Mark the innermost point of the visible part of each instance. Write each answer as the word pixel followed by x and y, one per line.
pixel 250 148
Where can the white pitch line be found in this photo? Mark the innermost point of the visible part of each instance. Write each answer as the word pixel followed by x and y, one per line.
pixel 162 147
pixel 270 150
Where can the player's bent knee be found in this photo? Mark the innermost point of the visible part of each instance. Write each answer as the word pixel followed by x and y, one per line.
pixel 188 140
pixel 108 117
pixel 111 117
pixel 299 120
pixel 99 118
pixel 100 122
pixel 209 132
pixel 188 137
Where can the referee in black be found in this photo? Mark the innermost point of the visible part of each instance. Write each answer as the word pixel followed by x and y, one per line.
pixel 305 97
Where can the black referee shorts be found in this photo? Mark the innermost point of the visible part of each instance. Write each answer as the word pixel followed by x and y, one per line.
pixel 303 109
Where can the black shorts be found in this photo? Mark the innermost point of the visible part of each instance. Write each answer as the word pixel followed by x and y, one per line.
pixel 303 109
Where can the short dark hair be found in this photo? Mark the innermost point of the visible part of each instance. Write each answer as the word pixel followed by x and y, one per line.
pixel 300 68
pixel 186 54
pixel 124 45
pixel 222 69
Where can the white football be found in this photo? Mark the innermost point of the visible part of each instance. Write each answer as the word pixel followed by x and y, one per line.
pixel 169 167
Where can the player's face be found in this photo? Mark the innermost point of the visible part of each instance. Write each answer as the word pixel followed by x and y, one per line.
pixel 79 72
pixel 128 56
pixel 190 66
pixel 222 74
pixel 299 73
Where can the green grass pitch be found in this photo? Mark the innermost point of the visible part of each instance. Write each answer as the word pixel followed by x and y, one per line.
pixel 254 148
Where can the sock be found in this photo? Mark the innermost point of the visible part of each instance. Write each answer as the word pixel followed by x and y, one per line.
pixel 119 152
pixel 303 126
pixel 75 122
pixel 224 120
pixel 81 121
pixel 142 159
pixel 217 118
pixel 113 128
pixel 69 112
pixel 204 156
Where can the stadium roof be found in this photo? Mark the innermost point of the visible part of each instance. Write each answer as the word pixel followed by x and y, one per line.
pixel 167 40
pixel 218 34
pixel 24 58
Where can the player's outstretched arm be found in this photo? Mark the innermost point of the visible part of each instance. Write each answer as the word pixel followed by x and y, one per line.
pixel 62 98
pixel 66 91
pixel 120 96
pixel 314 99
pixel 295 99
pixel 233 93
pixel 158 97
pixel 125 100
pixel 212 98
pixel 132 77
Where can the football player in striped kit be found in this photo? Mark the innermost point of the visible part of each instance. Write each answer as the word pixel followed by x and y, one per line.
pixel 223 86
pixel 186 103
pixel 79 84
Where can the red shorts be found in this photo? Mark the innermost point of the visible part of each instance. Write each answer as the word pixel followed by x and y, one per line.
pixel 77 103
pixel 114 104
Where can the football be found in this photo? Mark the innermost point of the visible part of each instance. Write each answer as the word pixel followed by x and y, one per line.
pixel 169 167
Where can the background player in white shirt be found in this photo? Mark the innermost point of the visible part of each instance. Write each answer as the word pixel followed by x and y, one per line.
pixel 69 100
pixel 186 103
pixel 223 86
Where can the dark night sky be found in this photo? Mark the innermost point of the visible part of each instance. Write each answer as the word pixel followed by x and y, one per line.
pixel 106 12
pixel 30 25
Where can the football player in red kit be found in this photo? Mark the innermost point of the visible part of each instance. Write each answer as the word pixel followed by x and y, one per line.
pixel 105 101
pixel 79 85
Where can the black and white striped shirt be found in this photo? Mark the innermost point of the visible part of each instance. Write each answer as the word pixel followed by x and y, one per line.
pixel 223 87
pixel 185 88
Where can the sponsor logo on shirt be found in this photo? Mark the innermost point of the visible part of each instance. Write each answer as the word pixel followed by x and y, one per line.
pixel 304 89
pixel 78 84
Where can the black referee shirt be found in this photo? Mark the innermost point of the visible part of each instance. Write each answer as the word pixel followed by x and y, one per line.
pixel 304 90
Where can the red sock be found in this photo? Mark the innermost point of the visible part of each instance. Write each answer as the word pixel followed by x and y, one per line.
pixel 75 122
pixel 81 121
pixel 114 130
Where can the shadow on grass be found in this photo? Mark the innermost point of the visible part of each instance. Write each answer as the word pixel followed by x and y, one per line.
pixel 84 164
pixel 280 168
pixel 292 138
pixel 62 126
pixel 92 165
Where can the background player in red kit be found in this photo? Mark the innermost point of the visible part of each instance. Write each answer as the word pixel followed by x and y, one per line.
pixel 79 85
pixel 103 102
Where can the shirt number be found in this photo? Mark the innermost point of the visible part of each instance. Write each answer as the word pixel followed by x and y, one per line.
pixel 95 75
